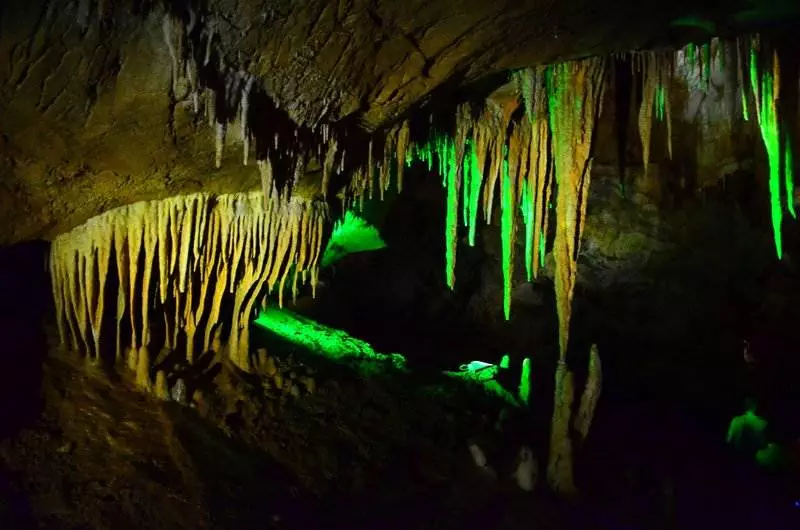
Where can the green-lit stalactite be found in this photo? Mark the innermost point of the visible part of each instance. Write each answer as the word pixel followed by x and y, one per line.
pixel 660 102
pixel 505 362
pixel 763 85
pixel 475 180
pixel 529 217
pixel 706 74
pixel 450 170
pixel 507 232
pixel 467 181
pixel 745 111
pixel 789 176
pixel 351 234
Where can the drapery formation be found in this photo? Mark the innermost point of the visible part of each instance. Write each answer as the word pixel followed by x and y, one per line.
pixel 190 267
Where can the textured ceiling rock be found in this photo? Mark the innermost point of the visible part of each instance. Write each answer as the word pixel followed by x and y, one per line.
pixel 87 123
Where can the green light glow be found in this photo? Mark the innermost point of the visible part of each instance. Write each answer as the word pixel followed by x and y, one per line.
pixel 746 432
pixel 507 233
pixel 528 216
pixel 789 176
pixel 694 21
pixel 351 234
pixel 772 457
pixel 706 58
pixel 525 382
pixel 505 362
pixel 334 344
pixel 768 124
pixel 339 346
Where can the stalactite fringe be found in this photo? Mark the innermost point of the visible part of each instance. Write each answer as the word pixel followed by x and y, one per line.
pixel 201 250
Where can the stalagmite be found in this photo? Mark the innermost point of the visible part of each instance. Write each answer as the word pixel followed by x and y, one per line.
pixel 591 394
pixel 233 242
pixel 559 464
pixel 143 368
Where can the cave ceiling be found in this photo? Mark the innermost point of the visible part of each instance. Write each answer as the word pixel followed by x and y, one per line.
pixel 89 121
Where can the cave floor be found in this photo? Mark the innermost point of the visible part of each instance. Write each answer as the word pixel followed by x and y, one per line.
pixel 356 453
pixel 383 451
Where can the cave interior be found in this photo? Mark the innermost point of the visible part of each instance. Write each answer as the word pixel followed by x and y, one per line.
pixel 432 264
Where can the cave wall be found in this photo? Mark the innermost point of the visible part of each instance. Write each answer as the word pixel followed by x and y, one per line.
pixel 86 119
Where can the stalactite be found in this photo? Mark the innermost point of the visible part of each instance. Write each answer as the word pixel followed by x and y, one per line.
pixel 219 143
pixel 369 172
pixel 235 242
pixel 473 176
pixel 575 91
pixel 390 143
pixel 244 116
pixel 168 30
pixel 513 173
pixel 327 167
pixel 497 126
pixel 534 190
pixel 403 138
pixel 765 86
pixel 480 137
pixel 650 85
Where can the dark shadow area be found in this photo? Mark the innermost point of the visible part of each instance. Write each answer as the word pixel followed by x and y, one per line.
pixel 25 288
pixel 396 298
pixel 243 487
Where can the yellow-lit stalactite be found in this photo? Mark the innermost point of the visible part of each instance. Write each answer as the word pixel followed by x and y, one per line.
pixel 649 90
pixel 575 94
pixel 536 195
pixel 202 250
pixel 499 111
pixel 403 140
